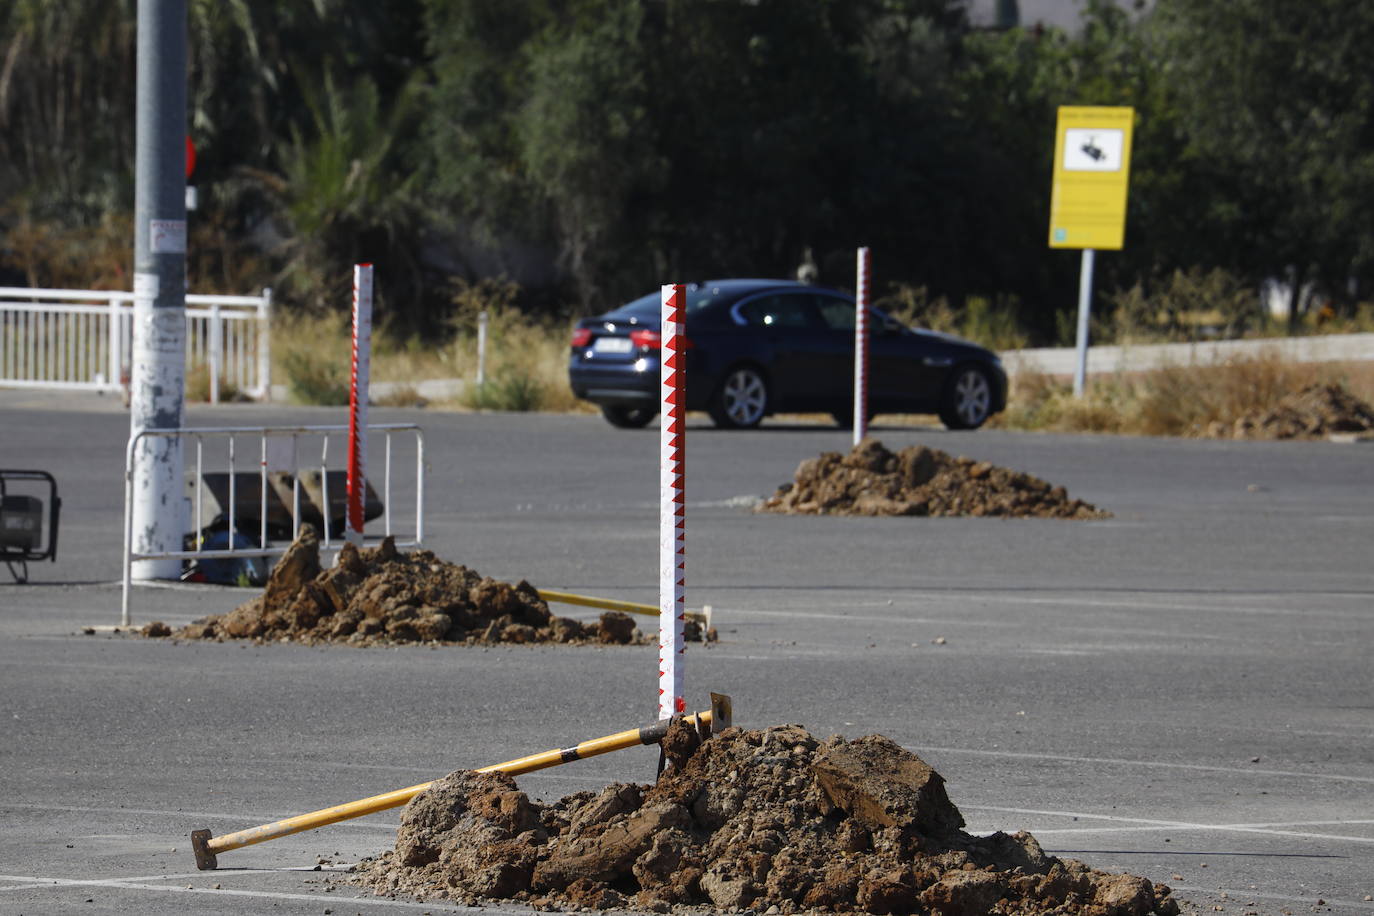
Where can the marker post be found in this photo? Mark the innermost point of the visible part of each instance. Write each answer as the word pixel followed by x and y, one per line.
pixel 357 401
pixel 861 335
pixel 672 515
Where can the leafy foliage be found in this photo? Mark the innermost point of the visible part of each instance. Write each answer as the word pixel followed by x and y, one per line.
pixel 592 149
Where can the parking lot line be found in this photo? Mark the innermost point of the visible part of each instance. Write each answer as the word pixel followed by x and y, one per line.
pixel 1158 764
pixel 326 900
pixel 178 813
pixel 1156 828
pixel 1248 895
pixel 1173 825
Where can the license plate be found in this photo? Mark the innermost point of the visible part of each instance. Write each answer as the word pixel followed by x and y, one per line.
pixel 612 345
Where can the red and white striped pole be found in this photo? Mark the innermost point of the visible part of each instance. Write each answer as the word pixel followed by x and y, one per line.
pixel 672 513
pixel 357 400
pixel 861 349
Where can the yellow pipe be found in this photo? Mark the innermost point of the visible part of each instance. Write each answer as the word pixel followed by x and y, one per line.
pixel 608 604
pixel 207 847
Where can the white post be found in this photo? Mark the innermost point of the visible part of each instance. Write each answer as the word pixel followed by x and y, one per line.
pixel 672 517
pixel 265 345
pixel 357 402
pixel 215 357
pixel 482 319
pixel 1085 289
pixel 114 350
pixel 861 348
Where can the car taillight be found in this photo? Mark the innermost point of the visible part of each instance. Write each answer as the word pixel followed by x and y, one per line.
pixel 649 340
pixel 581 337
pixel 653 340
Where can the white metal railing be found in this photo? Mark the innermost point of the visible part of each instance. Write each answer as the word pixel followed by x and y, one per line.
pixel 276 453
pixel 81 339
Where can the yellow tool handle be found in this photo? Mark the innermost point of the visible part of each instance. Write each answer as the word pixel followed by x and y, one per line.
pixel 608 604
pixel 206 847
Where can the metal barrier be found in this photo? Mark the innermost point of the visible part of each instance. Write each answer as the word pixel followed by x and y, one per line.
pixel 79 339
pixel 279 480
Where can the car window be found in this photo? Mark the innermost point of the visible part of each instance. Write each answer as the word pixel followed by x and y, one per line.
pixel 778 311
pixel 837 313
pixel 651 305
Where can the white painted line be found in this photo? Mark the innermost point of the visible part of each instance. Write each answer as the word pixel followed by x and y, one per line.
pixel 183 815
pixel 1060 831
pixel 1237 895
pixel 861 618
pixel 1173 825
pixel 1060 601
pixel 331 901
pixel 935 594
pixel 1157 764
pixel 382 767
pixel 225 873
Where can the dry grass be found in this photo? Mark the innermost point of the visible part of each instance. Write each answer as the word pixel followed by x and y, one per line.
pixel 526 360
pixel 992 323
pixel 198 385
pixel 1174 401
pixel 526 369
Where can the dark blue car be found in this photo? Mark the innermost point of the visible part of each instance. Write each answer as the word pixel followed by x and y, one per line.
pixel 759 347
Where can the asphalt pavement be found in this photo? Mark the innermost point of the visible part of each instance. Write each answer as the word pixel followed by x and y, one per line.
pixel 1184 691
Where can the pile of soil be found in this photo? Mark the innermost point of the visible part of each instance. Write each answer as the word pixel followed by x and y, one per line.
pixel 381 596
pixel 1312 413
pixel 921 481
pixel 771 820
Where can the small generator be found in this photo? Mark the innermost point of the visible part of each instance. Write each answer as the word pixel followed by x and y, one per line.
pixel 26 531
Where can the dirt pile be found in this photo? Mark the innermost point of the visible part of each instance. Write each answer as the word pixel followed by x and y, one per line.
pixel 381 596
pixel 770 820
pixel 1312 413
pixel 921 481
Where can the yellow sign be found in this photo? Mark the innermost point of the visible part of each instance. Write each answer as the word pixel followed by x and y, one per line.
pixel 1092 167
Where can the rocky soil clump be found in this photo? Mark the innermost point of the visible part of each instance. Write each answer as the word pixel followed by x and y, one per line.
pixel 1314 412
pixel 381 596
pixel 769 821
pixel 921 481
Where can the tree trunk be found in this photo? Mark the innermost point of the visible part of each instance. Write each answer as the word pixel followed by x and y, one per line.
pixel 1296 278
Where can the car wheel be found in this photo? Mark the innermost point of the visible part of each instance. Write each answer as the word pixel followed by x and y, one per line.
pixel 967 401
pixel 628 417
pixel 741 400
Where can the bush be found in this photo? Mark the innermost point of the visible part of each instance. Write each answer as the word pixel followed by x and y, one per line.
pixel 509 390
pixel 198 385
pixel 991 323
pixel 314 378
pixel 1173 401
pixel 1182 306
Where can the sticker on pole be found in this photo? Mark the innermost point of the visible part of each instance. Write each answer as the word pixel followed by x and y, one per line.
pixel 167 236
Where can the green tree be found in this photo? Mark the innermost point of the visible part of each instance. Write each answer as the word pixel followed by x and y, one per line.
pixel 344 196
pixel 66 108
pixel 1279 98
pixel 585 138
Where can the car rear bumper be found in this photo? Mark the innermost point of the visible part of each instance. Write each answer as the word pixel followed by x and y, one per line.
pixel 616 386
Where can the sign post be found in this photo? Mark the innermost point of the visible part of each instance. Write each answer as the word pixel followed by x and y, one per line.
pixel 1092 168
pixel 157 380
pixel 672 513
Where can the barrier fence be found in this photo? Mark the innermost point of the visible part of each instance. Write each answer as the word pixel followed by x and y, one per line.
pixel 267 505
pixel 82 340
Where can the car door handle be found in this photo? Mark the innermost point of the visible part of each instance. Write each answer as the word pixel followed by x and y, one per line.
pixel 938 361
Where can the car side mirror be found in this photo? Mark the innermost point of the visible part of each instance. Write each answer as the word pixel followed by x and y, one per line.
pixel 890 326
